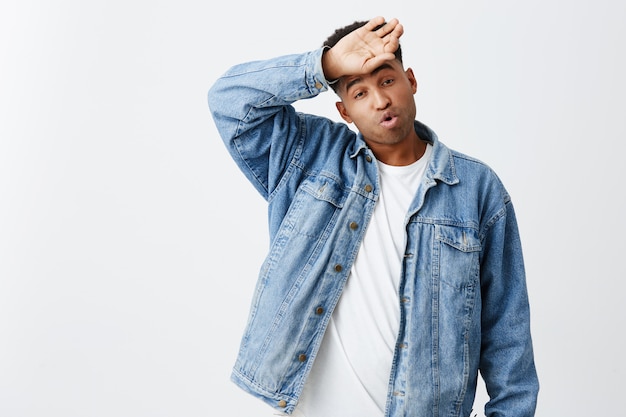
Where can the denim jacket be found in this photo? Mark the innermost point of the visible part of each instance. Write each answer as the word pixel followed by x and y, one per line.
pixel 462 295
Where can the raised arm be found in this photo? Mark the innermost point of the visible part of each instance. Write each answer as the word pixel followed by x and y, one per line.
pixel 251 102
pixel 251 108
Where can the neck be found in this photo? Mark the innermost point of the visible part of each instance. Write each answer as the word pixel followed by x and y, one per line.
pixel 399 154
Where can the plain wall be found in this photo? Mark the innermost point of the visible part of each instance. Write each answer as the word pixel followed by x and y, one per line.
pixel 130 242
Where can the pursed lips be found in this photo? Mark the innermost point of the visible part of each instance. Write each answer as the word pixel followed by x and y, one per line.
pixel 388 119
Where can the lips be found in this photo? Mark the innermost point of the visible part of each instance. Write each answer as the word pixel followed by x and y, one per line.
pixel 388 119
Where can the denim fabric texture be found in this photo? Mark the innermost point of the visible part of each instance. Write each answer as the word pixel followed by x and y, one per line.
pixel 462 296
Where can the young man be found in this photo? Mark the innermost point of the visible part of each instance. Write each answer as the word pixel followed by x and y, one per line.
pixel 395 270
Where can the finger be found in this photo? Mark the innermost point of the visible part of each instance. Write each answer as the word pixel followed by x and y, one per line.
pixel 398 30
pixel 375 62
pixel 373 23
pixel 387 28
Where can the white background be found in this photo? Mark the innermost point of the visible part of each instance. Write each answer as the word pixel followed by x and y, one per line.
pixel 130 243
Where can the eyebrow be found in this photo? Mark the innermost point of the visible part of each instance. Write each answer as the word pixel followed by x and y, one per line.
pixel 357 80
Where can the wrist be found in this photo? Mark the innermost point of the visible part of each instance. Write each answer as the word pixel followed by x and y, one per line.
pixel 329 68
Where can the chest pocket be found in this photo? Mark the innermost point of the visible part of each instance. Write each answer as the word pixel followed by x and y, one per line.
pixel 458 261
pixel 316 205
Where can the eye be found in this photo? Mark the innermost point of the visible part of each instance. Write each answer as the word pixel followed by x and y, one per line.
pixel 388 81
pixel 358 95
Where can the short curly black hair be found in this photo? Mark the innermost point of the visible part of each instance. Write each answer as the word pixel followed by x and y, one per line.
pixel 341 32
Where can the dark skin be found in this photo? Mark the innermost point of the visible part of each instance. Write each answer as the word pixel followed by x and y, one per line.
pixel 377 94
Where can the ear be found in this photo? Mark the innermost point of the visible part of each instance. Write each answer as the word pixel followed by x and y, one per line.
pixel 341 108
pixel 411 78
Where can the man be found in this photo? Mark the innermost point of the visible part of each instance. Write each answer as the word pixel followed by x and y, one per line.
pixel 395 271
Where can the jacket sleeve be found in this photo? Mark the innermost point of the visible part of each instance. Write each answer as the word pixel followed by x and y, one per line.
pixel 251 107
pixel 507 363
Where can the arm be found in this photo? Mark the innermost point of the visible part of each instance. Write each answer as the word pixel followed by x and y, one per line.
pixel 251 107
pixel 507 364
pixel 251 103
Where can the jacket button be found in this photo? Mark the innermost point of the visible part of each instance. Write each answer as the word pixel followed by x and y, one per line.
pixel 319 310
pixel 368 158
pixel 282 403
pixel 318 85
pixel 354 225
pixel 302 357
pixel 368 188
pixel 338 268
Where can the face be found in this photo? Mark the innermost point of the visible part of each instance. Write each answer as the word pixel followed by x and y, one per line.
pixel 380 104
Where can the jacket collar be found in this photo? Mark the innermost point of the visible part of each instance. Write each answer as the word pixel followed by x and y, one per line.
pixel 441 166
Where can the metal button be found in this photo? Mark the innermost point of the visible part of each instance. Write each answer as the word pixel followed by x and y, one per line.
pixel 368 158
pixel 282 403
pixel 302 357
pixel 368 188
pixel 318 85
pixel 338 268
pixel 319 310
pixel 354 225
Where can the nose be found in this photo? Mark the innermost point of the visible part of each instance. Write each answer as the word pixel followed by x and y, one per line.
pixel 381 100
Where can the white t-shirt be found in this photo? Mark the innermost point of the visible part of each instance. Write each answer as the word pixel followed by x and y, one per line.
pixel 350 375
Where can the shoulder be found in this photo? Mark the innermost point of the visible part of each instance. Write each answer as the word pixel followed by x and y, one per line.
pixel 478 172
pixel 324 135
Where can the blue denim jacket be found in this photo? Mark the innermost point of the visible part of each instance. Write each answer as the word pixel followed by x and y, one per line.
pixel 463 297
